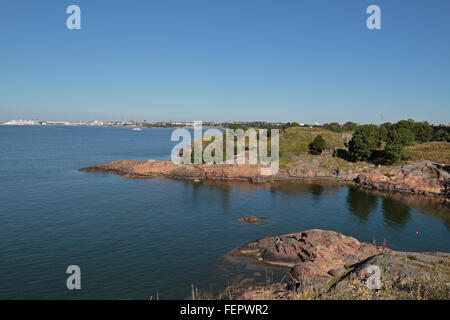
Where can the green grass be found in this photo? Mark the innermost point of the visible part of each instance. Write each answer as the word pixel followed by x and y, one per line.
pixel 434 151
pixel 295 140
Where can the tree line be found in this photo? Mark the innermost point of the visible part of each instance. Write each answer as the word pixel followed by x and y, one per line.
pixel 368 139
pixel 382 144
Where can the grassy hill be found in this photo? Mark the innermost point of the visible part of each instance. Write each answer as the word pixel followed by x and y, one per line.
pixel 295 140
pixel 435 151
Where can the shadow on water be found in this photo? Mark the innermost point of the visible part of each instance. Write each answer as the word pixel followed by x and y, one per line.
pixel 316 191
pixel 428 206
pixel 395 212
pixel 395 207
pixel 304 188
pixel 361 203
pixel 244 272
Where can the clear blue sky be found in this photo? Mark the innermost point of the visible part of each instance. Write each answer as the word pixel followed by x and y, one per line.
pixel 274 60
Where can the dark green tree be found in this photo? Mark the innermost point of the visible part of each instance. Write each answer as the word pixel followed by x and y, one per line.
pixel 383 133
pixel 349 126
pixel 441 135
pixel 393 152
pixel 383 130
pixel 423 132
pixel 333 126
pixel 316 147
pixel 365 141
pixel 404 132
pixel 235 126
pixel 386 125
pixel 402 135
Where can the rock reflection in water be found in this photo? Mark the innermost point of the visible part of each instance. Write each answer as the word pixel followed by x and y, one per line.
pixel 244 272
pixel 396 213
pixel 361 203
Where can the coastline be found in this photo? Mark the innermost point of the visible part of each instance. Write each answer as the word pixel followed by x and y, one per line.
pixel 329 265
pixel 424 178
pixel 326 264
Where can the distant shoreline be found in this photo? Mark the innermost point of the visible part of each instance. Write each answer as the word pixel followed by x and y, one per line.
pixel 424 178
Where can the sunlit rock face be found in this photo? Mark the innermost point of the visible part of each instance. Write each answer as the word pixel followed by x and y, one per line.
pixel 315 255
pixel 423 178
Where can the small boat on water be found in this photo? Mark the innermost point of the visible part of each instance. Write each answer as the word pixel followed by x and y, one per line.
pixel 137 129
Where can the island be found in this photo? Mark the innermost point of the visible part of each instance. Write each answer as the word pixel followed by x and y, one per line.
pixel 405 157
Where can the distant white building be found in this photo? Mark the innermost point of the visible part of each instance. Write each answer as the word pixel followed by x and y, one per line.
pixel 97 123
pixel 22 123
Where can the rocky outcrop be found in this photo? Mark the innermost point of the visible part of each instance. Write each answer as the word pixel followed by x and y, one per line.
pixel 404 268
pixel 152 168
pixel 309 170
pixel 330 265
pixel 120 167
pixel 314 254
pixel 347 175
pixel 424 178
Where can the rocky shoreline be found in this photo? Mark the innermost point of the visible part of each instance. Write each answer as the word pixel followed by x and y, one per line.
pixel 329 265
pixel 422 178
pixel 326 264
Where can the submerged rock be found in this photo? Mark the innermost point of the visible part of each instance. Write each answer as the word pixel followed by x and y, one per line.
pixel 252 220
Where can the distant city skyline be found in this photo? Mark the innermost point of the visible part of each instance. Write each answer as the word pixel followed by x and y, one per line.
pixel 251 60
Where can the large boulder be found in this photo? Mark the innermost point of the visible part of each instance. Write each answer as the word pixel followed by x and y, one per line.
pixel 187 171
pixel 402 275
pixel 316 255
pixel 346 175
pixel 427 178
pixel 231 171
pixel 308 170
pixel 154 167
pixel 120 167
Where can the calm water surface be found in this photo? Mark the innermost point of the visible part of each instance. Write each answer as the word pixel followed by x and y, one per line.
pixel 136 238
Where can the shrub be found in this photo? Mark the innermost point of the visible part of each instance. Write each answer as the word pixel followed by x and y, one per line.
pixel 236 126
pixel 333 126
pixel 401 135
pixel 349 126
pixel 423 132
pixel 441 135
pixel 383 132
pixel 364 141
pixel 404 132
pixel 316 147
pixel 393 152
pixel 386 125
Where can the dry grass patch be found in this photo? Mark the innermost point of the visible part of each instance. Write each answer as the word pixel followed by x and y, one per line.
pixel 434 151
pixel 296 140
